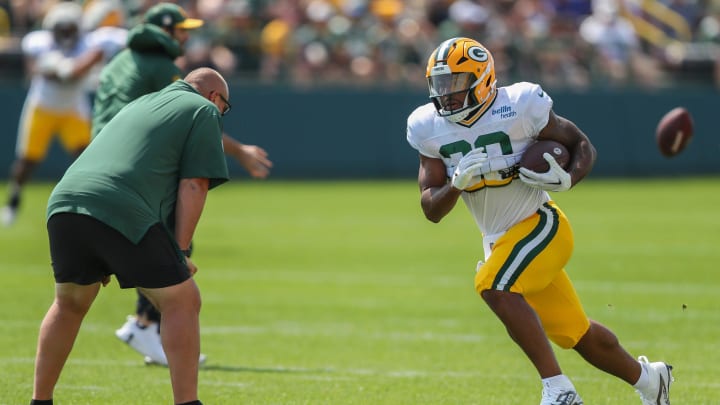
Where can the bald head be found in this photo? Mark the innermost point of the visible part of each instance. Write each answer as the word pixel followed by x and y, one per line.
pixel 207 81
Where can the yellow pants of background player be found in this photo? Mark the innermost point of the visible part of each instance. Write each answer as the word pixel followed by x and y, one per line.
pixel 38 126
pixel 529 259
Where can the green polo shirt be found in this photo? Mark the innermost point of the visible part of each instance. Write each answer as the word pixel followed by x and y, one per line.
pixel 128 176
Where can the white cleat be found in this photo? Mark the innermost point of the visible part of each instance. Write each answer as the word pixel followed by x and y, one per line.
pixel 564 394
pixel 660 377
pixel 8 215
pixel 561 398
pixel 145 340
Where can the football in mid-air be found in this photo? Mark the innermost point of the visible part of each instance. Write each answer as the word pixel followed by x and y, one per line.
pixel 533 159
pixel 674 131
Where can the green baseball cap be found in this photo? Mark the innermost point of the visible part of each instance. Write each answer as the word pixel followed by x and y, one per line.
pixel 168 15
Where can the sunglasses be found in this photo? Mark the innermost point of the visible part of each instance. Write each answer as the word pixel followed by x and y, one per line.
pixel 227 105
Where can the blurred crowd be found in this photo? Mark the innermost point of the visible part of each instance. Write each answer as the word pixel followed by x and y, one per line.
pixel 575 44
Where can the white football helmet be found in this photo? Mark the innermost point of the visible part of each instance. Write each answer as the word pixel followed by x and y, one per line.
pixel 63 20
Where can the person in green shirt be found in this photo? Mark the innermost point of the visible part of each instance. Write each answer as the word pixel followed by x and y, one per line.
pixel 145 66
pixel 148 65
pixel 151 166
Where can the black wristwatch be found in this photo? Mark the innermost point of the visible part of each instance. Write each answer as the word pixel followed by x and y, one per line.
pixel 186 252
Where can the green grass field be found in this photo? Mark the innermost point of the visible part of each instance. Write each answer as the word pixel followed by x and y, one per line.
pixel 342 293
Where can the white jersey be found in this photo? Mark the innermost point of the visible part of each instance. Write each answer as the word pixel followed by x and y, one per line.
pixel 70 96
pixel 500 199
pixel 111 40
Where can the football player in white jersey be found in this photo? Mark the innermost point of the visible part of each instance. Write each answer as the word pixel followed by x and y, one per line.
pixel 470 139
pixel 59 57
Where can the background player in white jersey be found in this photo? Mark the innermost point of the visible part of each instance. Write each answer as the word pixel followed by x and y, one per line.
pixel 470 139
pixel 59 57
pixel 105 21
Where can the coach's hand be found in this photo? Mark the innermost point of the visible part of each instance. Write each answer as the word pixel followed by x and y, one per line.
pixel 191 266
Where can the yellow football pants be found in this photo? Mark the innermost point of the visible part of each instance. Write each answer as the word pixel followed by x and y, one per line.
pixel 529 259
pixel 38 126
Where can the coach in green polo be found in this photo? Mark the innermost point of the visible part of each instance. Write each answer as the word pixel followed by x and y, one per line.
pixel 145 66
pixel 152 165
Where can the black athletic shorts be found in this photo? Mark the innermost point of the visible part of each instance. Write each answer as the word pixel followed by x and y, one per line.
pixel 85 250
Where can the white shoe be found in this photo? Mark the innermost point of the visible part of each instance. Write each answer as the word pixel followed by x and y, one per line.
pixel 8 215
pixel 561 398
pixel 145 340
pixel 660 377
pixel 560 395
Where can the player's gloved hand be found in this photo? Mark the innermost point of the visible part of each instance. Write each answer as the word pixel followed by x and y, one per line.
pixel 46 64
pixel 478 163
pixel 555 179
pixel 65 68
pixel 471 165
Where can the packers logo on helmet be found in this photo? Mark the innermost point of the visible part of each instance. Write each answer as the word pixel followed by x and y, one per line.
pixel 461 79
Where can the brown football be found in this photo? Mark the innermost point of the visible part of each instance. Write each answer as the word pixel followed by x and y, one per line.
pixel 533 158
pixel 674 131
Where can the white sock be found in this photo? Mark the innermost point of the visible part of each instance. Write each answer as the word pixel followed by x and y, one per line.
pixel 643 381
pixel 560 380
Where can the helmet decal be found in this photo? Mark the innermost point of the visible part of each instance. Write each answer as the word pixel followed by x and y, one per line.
pixel 478 54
